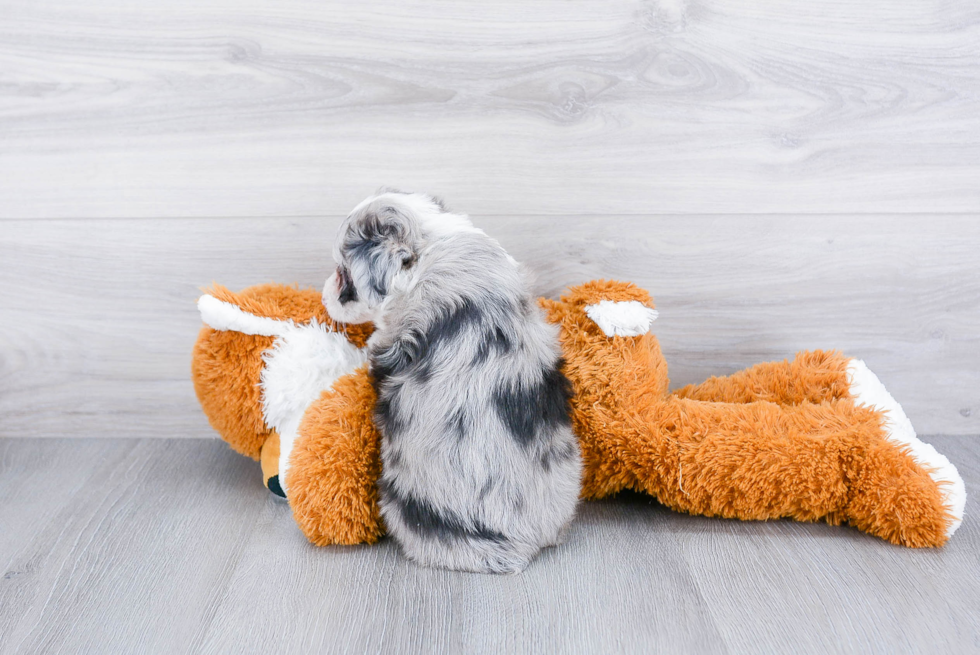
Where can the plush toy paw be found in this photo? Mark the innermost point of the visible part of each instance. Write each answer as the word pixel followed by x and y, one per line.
pixel 867 390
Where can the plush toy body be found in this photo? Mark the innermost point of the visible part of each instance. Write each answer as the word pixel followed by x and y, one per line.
pixel 813 439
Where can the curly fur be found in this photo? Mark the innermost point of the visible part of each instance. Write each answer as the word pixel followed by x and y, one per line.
pixel 480 466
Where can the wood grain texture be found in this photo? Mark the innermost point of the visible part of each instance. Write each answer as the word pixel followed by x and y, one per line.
pixel 251 108
pixel 781 176
pixel 99 318
pixel 171 546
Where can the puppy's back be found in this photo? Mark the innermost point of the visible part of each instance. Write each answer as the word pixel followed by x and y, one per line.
pixel 481 468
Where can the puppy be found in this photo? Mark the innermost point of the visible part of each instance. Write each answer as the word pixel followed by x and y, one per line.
pixel 480 466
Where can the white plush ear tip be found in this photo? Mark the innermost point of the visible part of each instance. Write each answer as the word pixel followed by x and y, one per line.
pixel 622 319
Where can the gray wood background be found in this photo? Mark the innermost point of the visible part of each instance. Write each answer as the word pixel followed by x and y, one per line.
pixel 780 175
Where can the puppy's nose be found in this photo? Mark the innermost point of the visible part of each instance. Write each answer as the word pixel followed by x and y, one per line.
pixel 272 484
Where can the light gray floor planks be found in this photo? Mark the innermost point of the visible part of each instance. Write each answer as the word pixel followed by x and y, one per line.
pixel 97 317
pixel 170 546
pixel 260 108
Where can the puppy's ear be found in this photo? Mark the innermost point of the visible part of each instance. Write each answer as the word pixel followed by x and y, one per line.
pixel 406 256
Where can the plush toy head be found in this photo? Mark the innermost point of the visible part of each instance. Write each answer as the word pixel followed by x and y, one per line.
pixel 231 369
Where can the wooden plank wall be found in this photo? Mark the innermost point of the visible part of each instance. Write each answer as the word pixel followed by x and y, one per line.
pixel 780 175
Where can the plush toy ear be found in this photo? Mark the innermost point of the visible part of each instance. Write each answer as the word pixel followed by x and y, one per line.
pixel 624 318
pixel 596 291
pixel 617 309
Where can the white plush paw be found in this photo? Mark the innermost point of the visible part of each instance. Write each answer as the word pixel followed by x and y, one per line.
pixel 867 390
pixel 622 319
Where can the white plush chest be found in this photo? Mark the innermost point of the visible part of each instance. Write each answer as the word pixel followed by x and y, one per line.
pixel 304 361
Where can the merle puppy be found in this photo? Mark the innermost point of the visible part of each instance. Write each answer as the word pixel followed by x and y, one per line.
pixel 480 466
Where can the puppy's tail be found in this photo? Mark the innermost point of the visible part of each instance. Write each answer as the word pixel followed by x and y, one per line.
pixel 224 316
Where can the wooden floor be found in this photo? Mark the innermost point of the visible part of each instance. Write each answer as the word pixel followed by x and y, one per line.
pixel 173 546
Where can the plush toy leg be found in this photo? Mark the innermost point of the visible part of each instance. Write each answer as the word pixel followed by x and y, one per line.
pixel 334 466
pixel 809 462
pixel 815 377
pixel 270 464
pixel 822 376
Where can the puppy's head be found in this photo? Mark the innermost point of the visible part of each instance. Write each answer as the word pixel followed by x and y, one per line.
pixel 377 249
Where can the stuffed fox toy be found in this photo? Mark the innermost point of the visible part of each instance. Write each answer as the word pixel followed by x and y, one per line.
pixel 817 438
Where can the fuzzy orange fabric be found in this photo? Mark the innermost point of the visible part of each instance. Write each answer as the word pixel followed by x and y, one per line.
pixel 777 440
pixel 226 365
pixel 269 458
pixel 335 465
pixel 814 377
pixel 749 459
pixel 225 370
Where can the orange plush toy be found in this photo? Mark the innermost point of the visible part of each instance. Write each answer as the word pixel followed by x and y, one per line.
pixel 813 439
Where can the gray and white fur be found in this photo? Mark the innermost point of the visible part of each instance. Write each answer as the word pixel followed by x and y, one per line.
pixel 480 469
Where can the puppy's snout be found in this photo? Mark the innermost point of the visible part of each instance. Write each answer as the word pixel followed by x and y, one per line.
pixel 346 291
